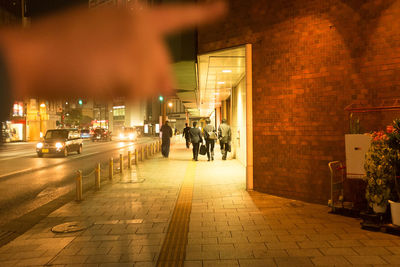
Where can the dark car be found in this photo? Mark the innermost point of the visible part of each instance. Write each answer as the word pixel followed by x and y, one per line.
pixel 101 134
pixel 85 134
pixel 60 141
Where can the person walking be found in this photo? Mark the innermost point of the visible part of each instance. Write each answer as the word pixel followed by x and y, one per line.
pixel 224 136
pixel 186 134
pixel 166 139
pixel 210 136
pixel 195 139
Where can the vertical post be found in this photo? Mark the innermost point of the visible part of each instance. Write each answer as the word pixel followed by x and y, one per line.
pixel 111 169
pixel 136 156
pixel 121 163
pixel 142 152
pixel 129 159
pixel 97 177
pixel 249 119
pixel 78 186
pixel 147 151
pixel 159 145
pixel 164 112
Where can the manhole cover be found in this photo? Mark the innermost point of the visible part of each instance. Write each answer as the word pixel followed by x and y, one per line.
pixel 70 227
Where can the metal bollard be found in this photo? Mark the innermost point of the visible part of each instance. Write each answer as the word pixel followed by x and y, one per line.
pixel 147 151
pixel 97 177
pixel 142 153
pixel 151 149
pixel 159 145
pixel 154 148
pixel 129 159
pixel 78 186
pixel 121 163
pixel 111 169
pixel 136 156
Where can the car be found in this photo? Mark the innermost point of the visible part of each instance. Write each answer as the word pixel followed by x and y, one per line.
pixel 60 141
pixel 101 134
pixel 85 134
pixel 128 134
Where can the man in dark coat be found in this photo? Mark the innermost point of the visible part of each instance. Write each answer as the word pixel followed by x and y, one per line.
pixel 195 139
pixel 186 134
pixel 166 135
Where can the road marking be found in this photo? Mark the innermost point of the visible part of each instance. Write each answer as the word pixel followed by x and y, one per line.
pixel 173 250
pixel 17 172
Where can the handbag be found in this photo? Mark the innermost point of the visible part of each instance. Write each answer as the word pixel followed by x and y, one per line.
pixel 212 135
pixel 203 150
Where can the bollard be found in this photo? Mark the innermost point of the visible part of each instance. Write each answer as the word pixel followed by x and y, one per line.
pixel 142 147
pixel 111 169
pixel 129 159
pixel 154 148
pixel 97 177
pixel 159 145
pixel 79 186
pixel 121 163
pixel 147 151
pixel 136 156
pixel 151 149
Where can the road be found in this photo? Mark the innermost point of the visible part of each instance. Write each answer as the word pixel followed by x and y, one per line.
pixel 28 182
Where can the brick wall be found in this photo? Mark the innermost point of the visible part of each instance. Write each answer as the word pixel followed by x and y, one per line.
pixel 311 59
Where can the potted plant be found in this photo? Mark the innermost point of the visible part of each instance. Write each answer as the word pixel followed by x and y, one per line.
pixel 379 172
pixel 394 143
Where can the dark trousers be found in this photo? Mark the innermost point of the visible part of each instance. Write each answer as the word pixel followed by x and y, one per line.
pixel 165 147
pixel 195 150
pixel 210 148
pixel 187 142
pixel 224 149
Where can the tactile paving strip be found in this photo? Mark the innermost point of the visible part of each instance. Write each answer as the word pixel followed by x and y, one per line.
pixel 174 247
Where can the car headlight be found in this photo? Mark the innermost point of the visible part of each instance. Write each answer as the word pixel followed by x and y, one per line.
pixel 39 145
pixel 59 145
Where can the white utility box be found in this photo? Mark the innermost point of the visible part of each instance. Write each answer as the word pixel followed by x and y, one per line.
pixel 356 147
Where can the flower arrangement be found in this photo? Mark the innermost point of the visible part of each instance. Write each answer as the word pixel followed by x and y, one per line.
pixel 379 170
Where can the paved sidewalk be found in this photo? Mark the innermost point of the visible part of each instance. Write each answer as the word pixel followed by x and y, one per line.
pixel 228 226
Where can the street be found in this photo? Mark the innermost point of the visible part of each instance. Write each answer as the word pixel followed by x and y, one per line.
pixel 28 182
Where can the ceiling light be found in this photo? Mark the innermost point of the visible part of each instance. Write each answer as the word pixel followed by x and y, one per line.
pixel 220 82
pixel 226 71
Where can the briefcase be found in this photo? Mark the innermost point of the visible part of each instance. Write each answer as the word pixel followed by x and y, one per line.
pixel 203 150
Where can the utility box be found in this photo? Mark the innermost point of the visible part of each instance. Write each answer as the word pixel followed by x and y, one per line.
pixel 357 146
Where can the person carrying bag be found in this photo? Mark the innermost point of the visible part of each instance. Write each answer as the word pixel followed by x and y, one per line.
pixel 210 136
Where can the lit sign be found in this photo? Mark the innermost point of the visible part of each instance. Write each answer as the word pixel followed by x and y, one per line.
pixel 146 128
pixel 157 128
pixel 18 109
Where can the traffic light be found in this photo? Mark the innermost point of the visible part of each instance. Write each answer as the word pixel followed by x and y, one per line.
pixel 161 98
pixel 80 101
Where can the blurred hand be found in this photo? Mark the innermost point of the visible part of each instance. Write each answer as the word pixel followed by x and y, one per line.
pixel 103 52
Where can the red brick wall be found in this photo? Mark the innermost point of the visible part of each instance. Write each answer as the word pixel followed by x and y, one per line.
pixel 311 59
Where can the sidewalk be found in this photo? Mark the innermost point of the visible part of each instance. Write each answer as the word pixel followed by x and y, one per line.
pixel 198 213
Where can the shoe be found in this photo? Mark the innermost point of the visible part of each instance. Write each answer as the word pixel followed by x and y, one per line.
pixel 208 160
pixel 212 158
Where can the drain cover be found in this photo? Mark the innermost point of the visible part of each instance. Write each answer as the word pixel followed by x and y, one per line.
pixel 70 227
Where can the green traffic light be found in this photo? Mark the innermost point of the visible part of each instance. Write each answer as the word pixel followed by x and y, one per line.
pixel 161 98
pixel 80 102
